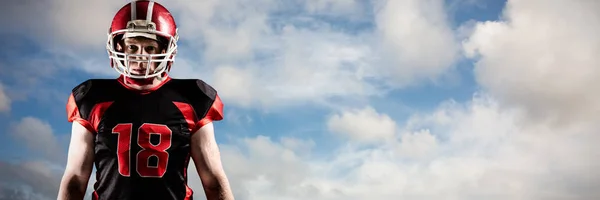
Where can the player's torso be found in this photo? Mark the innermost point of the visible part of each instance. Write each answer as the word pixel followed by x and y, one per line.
pixel 142 146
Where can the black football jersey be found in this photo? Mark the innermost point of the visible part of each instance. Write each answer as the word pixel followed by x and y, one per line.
pixel 142 138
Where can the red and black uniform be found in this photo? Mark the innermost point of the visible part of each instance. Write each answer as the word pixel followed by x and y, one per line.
pixel 142 138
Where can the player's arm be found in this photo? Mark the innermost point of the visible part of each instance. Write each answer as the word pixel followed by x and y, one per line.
pixel 207 158
pixel 80 157
pixel 79 164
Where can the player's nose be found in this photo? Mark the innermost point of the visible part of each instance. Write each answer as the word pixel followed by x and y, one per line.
pixel 141 56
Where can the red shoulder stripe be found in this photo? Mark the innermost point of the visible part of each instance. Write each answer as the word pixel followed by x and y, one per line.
pixel 214 114
pixel 188 114
pixel 97 113
pixel 73 114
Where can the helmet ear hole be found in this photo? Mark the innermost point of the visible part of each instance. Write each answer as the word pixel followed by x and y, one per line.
pixel 163 43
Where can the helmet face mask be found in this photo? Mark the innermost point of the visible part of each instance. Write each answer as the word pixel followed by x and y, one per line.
pixel 157 24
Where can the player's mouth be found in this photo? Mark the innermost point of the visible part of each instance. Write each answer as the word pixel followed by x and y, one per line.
pixel 138 71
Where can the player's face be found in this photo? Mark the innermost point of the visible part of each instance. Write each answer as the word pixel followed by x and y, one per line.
pixel 143 46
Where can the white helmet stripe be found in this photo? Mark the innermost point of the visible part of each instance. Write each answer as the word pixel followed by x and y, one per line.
pixel 133 12
pixel 149 12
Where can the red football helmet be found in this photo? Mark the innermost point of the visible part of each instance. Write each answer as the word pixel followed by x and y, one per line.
pixel 147 19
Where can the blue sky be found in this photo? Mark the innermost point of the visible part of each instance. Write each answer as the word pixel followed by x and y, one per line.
pixel 326 99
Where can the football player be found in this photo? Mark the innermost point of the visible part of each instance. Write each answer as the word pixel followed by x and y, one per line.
pixel 141 129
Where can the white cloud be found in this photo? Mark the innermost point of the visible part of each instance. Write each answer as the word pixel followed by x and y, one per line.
pixel 363 125
pixel 416 145
pixel 417 38
pixel 238 117
pixel 310 66
pixel 542 56
pixel 28 180
pixel 460 151
pixel 36 177
pixel 222 31
pixel 349 9
pixel 4 100
pixel 253 162
pixel 37 135
pixel 72 32
pixel 238 86
pixel 320 62
pixel 66 24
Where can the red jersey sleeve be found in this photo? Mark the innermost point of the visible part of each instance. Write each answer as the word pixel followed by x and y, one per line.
pixel 73 114
pixel 215 113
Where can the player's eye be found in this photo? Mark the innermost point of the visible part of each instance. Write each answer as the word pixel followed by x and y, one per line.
pixel 132 48
pixel 150 49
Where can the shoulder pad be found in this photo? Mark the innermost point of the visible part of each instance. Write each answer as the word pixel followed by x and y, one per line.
pixel 202 97
pixel 74 104
pixel 205 88
pixel 94 89
pixel 82 89
pixel 194 88
pixel 85 96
